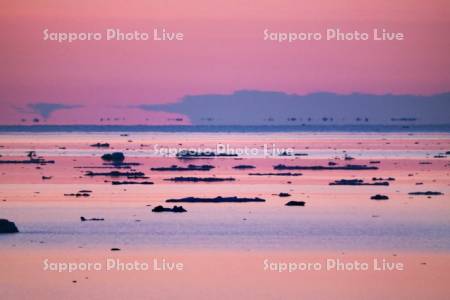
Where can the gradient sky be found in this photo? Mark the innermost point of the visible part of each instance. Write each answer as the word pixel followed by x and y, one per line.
pixel 223 51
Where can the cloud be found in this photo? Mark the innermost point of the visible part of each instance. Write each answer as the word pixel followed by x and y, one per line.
pixel 45 109
pixel 278 108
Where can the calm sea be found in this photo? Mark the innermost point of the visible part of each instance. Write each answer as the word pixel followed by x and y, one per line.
pixel 224 128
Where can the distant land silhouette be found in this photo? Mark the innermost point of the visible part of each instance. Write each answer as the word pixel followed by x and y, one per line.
pixel 248 107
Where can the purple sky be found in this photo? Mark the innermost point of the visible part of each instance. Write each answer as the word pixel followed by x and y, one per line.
pixel 223 51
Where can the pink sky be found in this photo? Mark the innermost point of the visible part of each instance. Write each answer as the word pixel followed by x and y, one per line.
pixel 223 51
